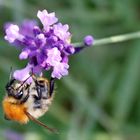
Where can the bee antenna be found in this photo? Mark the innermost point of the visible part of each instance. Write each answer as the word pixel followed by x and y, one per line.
pixel 24 82
pixel 40 123
pixel 52 82
pixel 32 75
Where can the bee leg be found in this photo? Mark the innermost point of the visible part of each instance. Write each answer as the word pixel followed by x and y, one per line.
pixel 38 88
pixel 52 80
pixel 39 91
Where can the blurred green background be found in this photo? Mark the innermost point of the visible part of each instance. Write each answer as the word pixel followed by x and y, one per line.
pixel 100 99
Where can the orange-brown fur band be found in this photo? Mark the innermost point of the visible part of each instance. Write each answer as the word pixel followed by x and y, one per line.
pixel 15 111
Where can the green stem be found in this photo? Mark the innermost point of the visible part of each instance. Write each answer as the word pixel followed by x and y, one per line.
pixel 115 39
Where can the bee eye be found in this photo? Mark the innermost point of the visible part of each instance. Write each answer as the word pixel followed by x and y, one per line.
pixel 19 95
pixel 10 91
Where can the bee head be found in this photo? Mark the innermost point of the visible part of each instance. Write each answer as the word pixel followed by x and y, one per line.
pixel 14 89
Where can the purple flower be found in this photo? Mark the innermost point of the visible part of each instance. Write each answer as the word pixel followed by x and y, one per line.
pixel 41 39
pixel 54 59
pixel 88 40
pixel 24 54
pixel 62 31
pixel 27 27
pixel 47 19
pixel 12 33
pixel 69 50
pixel 46 49
pixel 60 69
pixel 53 56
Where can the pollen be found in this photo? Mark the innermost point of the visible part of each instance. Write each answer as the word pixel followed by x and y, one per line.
pixel 15 112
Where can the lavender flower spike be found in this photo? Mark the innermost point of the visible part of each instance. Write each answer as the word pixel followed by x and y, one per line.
pixel 46 49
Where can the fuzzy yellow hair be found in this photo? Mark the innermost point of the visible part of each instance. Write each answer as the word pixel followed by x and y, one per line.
pixel 15 111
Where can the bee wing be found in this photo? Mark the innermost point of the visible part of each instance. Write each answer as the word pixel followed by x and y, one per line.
pixel 40 123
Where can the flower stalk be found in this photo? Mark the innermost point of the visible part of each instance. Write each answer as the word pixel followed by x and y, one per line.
pixel 114 39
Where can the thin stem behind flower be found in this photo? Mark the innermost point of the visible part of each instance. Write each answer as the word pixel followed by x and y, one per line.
pixel 114 39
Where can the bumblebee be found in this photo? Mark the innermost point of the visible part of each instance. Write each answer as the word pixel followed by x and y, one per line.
pixel 25 102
